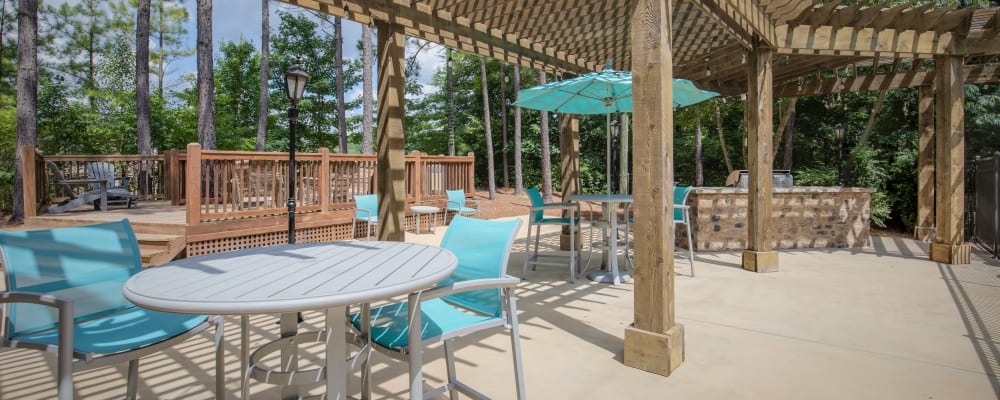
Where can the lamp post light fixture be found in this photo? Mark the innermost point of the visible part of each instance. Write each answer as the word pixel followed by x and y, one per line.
pixel 295 83
pixel 839 132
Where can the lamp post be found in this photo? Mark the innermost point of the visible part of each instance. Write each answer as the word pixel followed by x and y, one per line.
pixel 295 83
pixel 839 132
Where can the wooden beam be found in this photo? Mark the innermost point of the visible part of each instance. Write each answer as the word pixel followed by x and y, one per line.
pixel 436 26
pixel 742 17
pixel 983 73
pixel 759 255
pixel 949 244
pixel 846 41
pixel 924 229
pixel 192 185
pixel 391 114
pixel 654 342
pixel 569 152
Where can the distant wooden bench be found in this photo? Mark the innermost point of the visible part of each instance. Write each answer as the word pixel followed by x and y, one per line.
pixel 64 294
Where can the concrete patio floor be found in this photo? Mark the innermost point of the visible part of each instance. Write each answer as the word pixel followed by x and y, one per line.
pixel 880 322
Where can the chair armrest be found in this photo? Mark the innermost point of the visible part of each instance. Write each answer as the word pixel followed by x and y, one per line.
pixel 456 204
pixel 473 201
pixel 367 212
pixel 125 180
pixel 65 307
pixel 558 206
pixel 35 298
pixel 465 286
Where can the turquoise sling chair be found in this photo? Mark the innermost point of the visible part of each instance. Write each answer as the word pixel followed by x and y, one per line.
pixel 537 218
pixel 367 212
pixel 682 216
pixel 479 295
pixel 65 295
pixel 458 204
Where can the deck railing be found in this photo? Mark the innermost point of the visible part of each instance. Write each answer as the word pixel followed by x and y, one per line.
pixel 242 184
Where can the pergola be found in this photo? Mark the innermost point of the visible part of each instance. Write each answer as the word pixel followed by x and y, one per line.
pixel 763 49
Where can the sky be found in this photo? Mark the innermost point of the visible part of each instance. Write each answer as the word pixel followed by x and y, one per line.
pixel 232 19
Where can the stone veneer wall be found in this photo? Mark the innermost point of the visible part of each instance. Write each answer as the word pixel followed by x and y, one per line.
pixel 804 217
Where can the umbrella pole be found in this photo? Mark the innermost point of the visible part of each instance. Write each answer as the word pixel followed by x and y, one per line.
pixel 607 154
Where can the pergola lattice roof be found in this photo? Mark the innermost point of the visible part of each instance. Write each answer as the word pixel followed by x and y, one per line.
pixel 710 37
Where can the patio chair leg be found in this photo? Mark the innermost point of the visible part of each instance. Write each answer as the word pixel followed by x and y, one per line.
pixel 366 364
pixel 690 250
pixel 572 251
pixel 449 358
pixel 220 359
pixel 515 342
pixel 538 235
pixel 244 356
pixel 590 254
pixel 132 380
pixel 354 225
pixel 527 252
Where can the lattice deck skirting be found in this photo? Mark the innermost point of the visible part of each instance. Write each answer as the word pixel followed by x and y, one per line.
pixel 339 230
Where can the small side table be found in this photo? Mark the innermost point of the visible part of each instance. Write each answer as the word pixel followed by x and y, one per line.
pixel 421 210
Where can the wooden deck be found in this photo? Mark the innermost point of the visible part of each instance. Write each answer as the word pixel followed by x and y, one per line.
pixel 164 235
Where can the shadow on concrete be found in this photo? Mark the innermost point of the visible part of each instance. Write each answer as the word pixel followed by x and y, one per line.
pixel 968 286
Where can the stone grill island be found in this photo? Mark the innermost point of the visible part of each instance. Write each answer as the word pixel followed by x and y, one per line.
pixel 802 217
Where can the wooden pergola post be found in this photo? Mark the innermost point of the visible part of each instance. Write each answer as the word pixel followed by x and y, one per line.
pixel 759 255
pixel 949 244
pixel 391 162
pixel 569 139
pixel 924 229
pixel 654 342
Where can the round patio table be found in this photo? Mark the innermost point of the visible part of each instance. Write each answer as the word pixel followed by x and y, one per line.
pixel 609 203
pixel 430 211
pixel 295 277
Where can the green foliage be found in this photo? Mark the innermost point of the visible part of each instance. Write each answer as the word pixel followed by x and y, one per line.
pixel 8 145
pixel 302 36
pixel 237 95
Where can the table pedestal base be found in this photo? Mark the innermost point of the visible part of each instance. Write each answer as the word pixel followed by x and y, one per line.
pixel 606 276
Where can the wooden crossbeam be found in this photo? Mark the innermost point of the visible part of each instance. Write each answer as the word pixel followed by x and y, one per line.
pixel 826 40
pixel 983 73
pixel 743 18
pixel 417 19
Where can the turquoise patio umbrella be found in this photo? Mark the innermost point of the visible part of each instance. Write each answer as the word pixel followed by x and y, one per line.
pixel 605 92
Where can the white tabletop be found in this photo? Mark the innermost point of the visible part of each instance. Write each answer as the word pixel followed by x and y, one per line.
pixel 290 278
pixel 601 197
pixel 425 209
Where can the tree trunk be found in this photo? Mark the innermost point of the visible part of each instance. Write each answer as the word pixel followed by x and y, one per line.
pixel 491 171
pixel 546 151
pixel 503 116
pixel 162 27
pixel 3 32
pixel 699 175
pixel 451 106
pixel 265 59
pixel 518 181
pixel 338 40
pixel 206 81
pixel 722 136
pixel 92 52
pixel 142 112
pixel 368 103
pixel 27 95
pixel 789 141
